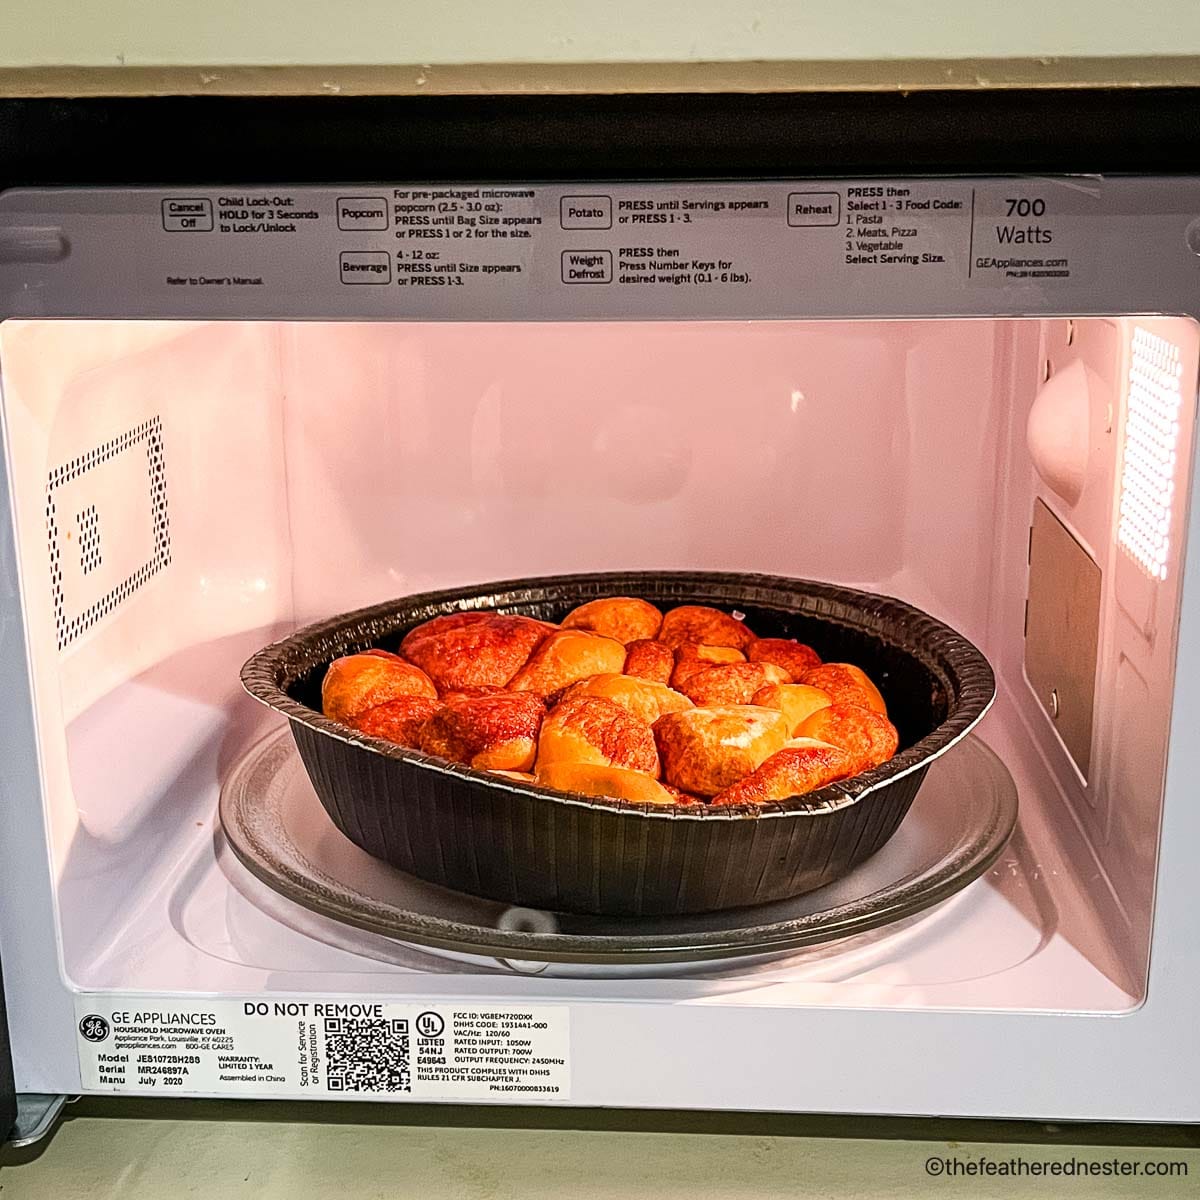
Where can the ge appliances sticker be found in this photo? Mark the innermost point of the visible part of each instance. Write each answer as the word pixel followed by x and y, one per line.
pixel 367 1050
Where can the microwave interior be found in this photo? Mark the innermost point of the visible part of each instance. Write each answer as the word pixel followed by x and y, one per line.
pixel 186 492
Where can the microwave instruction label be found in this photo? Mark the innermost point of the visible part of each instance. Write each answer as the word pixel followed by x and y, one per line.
pixel 264 212
pixel 593 250
pixel 463 236
pixel 691 238
pixel 355 1049
pixel 905 226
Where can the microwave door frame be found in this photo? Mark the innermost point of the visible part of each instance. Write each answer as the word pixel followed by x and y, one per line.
pixel 58 142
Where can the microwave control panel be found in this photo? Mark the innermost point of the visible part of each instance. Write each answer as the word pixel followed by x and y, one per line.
pixel 679 250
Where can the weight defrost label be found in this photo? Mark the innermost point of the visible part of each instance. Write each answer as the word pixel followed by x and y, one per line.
pixel 366 1049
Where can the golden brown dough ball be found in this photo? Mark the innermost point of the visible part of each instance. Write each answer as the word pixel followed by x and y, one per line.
pixel 594 730
pixel 465 650
pixel 802 766
pixel 358 682
pixel 698 623
pixel 592 779
pixel 734 683
pixel 566 656
pixel 649 659
pixel 691 658
pixel 399 721
pixel 489 733
pixel 439 627
pixel 647 701
pixel 867 737
pixel 704 750
pixel 685 799
pixel 797 701
pixel 794 657
pixel 847 684
pixel 623 618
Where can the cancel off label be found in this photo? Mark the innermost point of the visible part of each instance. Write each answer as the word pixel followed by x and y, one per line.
pixel 355 1049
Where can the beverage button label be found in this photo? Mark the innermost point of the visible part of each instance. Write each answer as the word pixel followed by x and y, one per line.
pixel 365 266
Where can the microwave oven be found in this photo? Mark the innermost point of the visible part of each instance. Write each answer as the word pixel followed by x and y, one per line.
pixel 264 362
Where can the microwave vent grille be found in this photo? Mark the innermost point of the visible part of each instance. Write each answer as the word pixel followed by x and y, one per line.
pixel 89 524
pixel 1150 452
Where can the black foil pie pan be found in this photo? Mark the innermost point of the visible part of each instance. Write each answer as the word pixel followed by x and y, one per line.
pixel 530 846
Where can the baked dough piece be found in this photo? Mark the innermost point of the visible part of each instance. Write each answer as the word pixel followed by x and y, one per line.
pixel 593 730
pixel 802 766
pixel 649 659
pixel 797 701
pixel 592 779
pixel 794 657
pixel 704 750
pixel 647 701
pixel 733 683
pixel 623 618
pixel 701 624
pixel 358 682
pixel 566 656
pixel 847 684
pixel 399 721
pixel 685 799
pixel 489 733
pixel 453 696
pixel 463 650
pixel 691 658
pixel 866 736
pixel 454 622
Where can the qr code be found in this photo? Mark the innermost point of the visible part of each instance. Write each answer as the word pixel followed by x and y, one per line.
pixel 366 1056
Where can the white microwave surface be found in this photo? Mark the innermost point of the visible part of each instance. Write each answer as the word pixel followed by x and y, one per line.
pixel 138 946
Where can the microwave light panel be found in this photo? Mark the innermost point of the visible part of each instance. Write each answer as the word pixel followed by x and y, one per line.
pixel 1151 451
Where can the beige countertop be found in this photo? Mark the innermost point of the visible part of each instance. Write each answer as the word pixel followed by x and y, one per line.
pixel 135 1149
pixel 424 47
